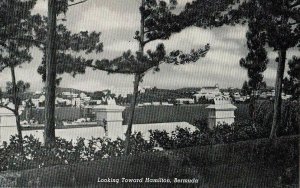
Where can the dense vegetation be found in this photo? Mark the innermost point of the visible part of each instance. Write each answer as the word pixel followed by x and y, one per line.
pixel 255 163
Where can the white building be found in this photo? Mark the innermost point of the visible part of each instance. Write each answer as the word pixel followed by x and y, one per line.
pixel 7 118
pixel 222 111
pixel 82 95
pixel 4 101
pixel 209 92
pixel 66 102
pixel 69 95
pixel 237 96
pixel 166 104
pixel 185 101
pixel 76 102
pixel 86 99
pixel 38 101
pixel 155 103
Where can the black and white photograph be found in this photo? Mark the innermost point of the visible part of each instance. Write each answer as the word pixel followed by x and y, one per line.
pixel 149 93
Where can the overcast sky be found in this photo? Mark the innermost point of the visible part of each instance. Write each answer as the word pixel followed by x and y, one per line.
pixel 118 20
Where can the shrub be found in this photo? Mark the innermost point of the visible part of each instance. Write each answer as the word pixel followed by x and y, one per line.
pixel 290 121
pixel 180 138
pixel 36 155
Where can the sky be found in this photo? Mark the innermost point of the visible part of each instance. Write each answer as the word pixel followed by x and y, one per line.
pixel 118 20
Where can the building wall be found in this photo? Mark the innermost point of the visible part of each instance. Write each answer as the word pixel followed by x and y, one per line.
pixel 7 132
pixel 115 116
pixel 100 116
pixel 9 121
pixel 222 114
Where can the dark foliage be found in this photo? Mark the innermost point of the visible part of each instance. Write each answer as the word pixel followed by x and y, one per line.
pixel 37 155
pixel 68 46
pixel 291 84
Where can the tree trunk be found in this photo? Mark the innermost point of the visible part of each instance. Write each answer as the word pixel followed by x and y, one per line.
pixel 131 113
pixel 278 90
pixel 49 132
pixel 252 108
pixel 15 101
pixel 137 79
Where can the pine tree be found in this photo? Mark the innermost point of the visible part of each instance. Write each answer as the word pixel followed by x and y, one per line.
pixel 246 90
pixel 256 60
pixel 57 56
pixel 291 84
pixel 15 31
pixel 157 23
pixel 279 21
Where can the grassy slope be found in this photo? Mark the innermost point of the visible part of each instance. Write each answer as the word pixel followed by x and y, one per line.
pixel 214 166
pixel 188 113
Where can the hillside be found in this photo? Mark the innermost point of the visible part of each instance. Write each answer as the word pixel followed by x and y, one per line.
pixel 59 90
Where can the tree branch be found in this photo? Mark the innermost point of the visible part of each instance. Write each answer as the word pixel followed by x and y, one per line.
pixel 29 40
pixel 151 67
pixel 8 108
pixel 77 3
pixel 147 41
pixel 293 23
pixel 3 67
pixel 297 3
pixel 117 71
pixel 3 44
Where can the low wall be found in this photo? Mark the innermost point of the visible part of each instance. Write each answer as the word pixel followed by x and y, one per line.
pixel 68 134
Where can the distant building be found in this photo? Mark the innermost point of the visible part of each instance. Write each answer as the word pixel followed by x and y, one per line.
pixel 38 93
pixel 209 92
pixel 4 100
pixel 69 95
pixel 82 95
pixel 66 93
pixel 155 103
pixel 285 97
pixel 142 89
pixel 185 101
pixel 86 99
pixel 166 104
pixel 76 102
pixel 38 100
pixel 95 102
pixel 271 94
pixel 63 102
pixel 263 95
pixel 237 96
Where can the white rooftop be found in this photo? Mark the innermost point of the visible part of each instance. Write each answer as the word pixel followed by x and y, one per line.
pixel 222 107
pixel 222 103
pixel 108 107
